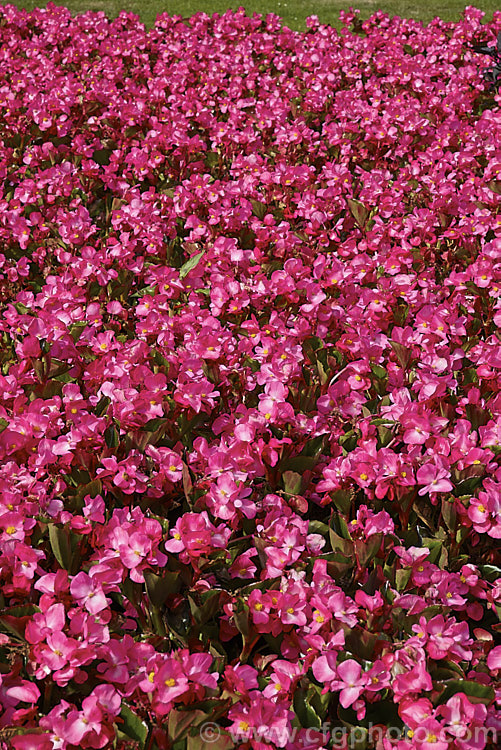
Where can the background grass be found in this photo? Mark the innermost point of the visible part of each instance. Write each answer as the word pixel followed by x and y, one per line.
pixel 294 12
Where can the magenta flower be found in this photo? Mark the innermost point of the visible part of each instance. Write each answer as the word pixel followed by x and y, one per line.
pixel 434 478
pixel 494 659
pixel 88 593
pixel 351 682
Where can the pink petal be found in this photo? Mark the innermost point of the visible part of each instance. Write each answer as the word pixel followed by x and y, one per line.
pixel 494 658
pixel 349 671
pixel 349 696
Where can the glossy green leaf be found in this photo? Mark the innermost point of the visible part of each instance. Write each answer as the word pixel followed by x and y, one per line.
pixel 475 691
pixel 132 725
pixel 190 264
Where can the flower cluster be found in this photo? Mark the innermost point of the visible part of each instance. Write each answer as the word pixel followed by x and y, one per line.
pixel 250 375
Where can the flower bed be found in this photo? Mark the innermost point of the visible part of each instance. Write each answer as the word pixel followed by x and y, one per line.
pixel 250 411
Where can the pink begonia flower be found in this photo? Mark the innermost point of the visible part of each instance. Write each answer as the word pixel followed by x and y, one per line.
pixel 241 678
pixel 282 679
pixel 343 608
pixel 417 429
pixel 59 650
pixel 94 508
pixel 429 735
pixel 169 683
pixel 29 741
pixel 351 684
pixel 409 672
pixel 81 723
pixel 196 668
pixel 435 479
pixel 324 669
pixel 414 710
pixel 88 593
pixel 370 523
pixel 494 659
pixel 44 624
pixel 25 691
pixel 263 720
pixel 291 610
pixel 310 327
pixel 479 514
pixel 371 603
pixel 378 677
pixel 135 549
pixel 242 566
pixel 277 560
pixel 462 717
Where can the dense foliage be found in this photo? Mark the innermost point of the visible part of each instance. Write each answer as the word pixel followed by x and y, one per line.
pixel 250 404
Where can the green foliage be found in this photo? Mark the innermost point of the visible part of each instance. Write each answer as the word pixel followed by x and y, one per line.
pixel 293 12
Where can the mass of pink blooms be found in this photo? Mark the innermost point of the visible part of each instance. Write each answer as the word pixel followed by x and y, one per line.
pixel 250 383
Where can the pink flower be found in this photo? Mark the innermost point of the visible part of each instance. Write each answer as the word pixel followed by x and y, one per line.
pixel 29 741
pixel 462 717
pixel 434 478
pixel 494 659
pixel 351 682
pixel 81 723
pixel 324 669
pixel 88 593
pixel 242 566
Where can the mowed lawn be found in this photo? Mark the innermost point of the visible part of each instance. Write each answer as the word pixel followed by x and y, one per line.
pixel 294 12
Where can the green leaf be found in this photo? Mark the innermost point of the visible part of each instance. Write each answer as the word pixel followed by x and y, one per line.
pixel 349 440
pixel 361 642
pixel 385 435
pixel 259 209
pixel 467 486
pixel 61 546
pixel 207 609
pixel 102 405
pixel 402 578
pixel 102 156
pixel 147 291
pixel 22 309
pixel 359 212
pixel 202 741
pixel 339 544
pixel 367 551
pixel 298 464
pixel 159 588
pixel 111 437
pixel 449 513
pixel 435 547
pixel 317 527
pixel 241 617
pixel 3 424
pixel 187 483
pixel 152 425
pixel 342 500
pixel 180 722
pixel 402 352
pixel 133 726
pixel 76 330
pixel 190 264
pixel 490 572
pixel 304 710
pixel 476 690
pixel 212 159
pixel 13 620
pixel 314 446
pixel 343 527
pixel 292 482
pixel 379 372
